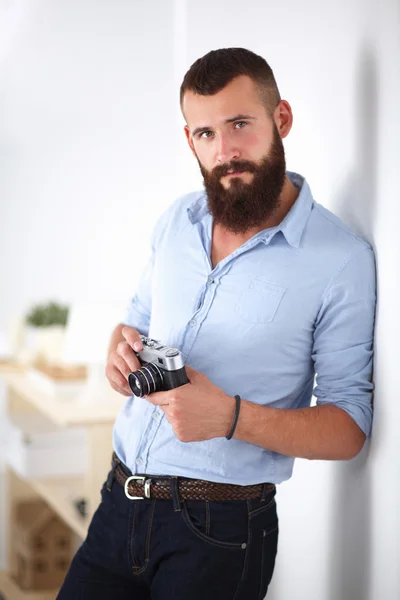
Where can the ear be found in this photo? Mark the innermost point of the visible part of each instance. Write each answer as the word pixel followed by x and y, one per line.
pixel 283 118
pixel 189 139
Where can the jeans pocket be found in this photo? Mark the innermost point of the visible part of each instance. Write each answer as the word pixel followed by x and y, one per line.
pixel 222 526
pixel 268 556
pixel 264 528
pixel 262 507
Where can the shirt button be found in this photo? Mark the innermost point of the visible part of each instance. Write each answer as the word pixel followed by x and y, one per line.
pixel 139 461
pixel 192 323
pixel 156 416
pixel 210 280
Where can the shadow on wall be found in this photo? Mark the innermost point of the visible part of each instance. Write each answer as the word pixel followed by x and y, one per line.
pixel 356 204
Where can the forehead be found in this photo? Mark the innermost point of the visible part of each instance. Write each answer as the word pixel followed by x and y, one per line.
pixel 240 96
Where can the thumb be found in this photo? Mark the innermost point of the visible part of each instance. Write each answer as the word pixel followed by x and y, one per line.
pixel 132 336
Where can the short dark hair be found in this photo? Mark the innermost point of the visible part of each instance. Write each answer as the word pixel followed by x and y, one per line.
pixel 213 71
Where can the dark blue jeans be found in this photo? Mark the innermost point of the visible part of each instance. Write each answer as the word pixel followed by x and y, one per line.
pixel 172 550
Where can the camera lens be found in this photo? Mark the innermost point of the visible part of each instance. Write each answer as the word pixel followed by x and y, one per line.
pixel 146 380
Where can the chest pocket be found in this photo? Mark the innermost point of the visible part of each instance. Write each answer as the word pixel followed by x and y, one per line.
pixel 259 302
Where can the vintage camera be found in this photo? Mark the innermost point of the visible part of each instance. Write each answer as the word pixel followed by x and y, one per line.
pixel 162 369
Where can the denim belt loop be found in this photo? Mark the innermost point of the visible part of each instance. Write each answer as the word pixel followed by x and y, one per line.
pixel 111 475
pixel 175 494
pixel 266 489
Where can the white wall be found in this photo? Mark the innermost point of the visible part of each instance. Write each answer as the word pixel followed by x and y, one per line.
pixel 87 131
pixel 90 139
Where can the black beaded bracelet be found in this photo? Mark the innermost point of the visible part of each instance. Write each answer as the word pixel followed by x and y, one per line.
pixel 235 419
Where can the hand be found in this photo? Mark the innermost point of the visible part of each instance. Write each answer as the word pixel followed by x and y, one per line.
pixel 123 360
pixel 198 410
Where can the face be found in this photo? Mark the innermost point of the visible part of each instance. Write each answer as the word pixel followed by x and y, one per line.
pixel 240 153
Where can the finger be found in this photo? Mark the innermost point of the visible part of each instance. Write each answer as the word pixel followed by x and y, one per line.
pixel 116 378
pixel 158 399
pixel 132 336
pixel 118 362
pixel 128 355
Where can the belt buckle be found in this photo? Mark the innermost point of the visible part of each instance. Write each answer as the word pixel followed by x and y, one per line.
pixel 147 483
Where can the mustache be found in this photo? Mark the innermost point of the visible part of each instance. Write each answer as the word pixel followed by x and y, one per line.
pixel 239 165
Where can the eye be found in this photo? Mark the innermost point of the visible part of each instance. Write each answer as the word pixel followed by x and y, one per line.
pixel 241 123
pixel 204 135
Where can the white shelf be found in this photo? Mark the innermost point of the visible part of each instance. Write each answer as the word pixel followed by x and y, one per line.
pixel 37 448
pixel 65 412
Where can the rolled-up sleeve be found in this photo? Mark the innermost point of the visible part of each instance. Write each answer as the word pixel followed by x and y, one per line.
pixel 343 340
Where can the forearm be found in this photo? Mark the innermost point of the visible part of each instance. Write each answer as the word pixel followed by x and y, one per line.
pixel 323 432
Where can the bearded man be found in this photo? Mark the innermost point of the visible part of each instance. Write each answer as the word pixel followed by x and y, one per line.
pixel 260 288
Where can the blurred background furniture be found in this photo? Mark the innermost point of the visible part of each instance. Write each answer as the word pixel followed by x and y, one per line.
pixel 77 430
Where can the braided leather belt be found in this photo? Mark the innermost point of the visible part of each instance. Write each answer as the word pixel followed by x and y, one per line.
pixel 138 487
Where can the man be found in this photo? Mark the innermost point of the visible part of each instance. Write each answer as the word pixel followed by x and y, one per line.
pixel 260 288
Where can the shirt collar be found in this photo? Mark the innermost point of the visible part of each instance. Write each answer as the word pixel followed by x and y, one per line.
pixel 292 225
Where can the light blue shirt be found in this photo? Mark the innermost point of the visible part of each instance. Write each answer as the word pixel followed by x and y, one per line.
pixel 295 301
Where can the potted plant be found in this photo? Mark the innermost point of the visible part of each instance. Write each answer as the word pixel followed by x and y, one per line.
pixel 44 331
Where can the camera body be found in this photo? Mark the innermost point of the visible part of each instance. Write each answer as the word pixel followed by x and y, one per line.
pixel 162 369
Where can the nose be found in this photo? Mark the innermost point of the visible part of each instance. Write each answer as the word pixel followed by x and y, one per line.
pixel 227 150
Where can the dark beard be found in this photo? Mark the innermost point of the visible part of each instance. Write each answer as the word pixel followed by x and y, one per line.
pixel 245 206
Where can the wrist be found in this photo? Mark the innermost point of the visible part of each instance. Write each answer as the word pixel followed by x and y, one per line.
pixel 229 415
pixel 235 417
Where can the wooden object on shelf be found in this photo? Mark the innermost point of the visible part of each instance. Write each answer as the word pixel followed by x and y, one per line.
pixel 62 494
pixel 11 366
pixel 42 546
pixel 62 372
pixel 12 591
